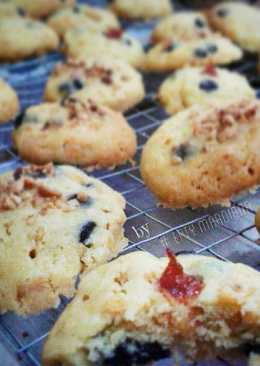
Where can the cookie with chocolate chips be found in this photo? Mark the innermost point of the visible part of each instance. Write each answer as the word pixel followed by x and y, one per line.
pixel 10 9
pixel 239 22
pixel 21 38
pixel 182 27
pixel 9 103
pixel 204 155
pixel 82 44
pixel 74 132
pixel 204 86
pixel 41 8
pixel 171 55
pixel 55 223
pixel 141 9
pixel 112 83
pixel 145 308
pixel 90 17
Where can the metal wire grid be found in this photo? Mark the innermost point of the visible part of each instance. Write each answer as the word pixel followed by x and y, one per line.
pixel 182 230
pixel 227 233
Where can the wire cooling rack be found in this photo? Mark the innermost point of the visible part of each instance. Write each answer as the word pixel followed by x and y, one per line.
pixel 226 233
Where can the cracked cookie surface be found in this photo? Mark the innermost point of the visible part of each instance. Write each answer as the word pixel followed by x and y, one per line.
pixel 55 223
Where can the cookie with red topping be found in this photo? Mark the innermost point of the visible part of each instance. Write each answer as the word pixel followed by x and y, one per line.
pixel 74 132
pixel 82 44
pixel 90 17
pixel 202 85
pixel 239 22
pixel 55 223
pixel 145 307
pixel 182 27
pixel 112 83
pixel 204 155
pixel 141 9
pixel 171 55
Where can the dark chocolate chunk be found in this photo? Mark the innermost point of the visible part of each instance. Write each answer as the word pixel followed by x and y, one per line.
pixel 199 23
pixel 86 231
pixel 208 85
pixel 132 352
pixel 171 47
pixel 222 12
pixel 21 11
pixel 212 48
pixel 76 9
pixel 77 84
pixel 19 120
pixel 185 151
pixel 148 47
pixel 18 173
pixel 200 53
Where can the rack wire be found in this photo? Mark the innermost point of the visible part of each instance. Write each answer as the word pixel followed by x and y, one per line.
pixel 226 233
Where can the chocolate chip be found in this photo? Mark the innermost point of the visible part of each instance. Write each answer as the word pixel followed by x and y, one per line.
pixel 185 151
pixel 37 174
pixel 68 88
pixel 86 231
pixel 18 173
pixel 171 47
pixel 199 23
pixel 222 12
pixel 148 47
pixel 248 348
pixel 77 83
pixel 19 120
pixel 76 9
pixel 200 53
pixel 212 48
pixel 21 12
pixel 132 352
pixel 208 85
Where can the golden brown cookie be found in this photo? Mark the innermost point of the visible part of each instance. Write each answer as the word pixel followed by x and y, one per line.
pixel 9 103
pixel 204 155
pixel 76 132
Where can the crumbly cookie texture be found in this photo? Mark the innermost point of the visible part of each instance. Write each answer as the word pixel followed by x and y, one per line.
pixel 55 223
pixel 9 103
pixel 182 27
pixel 202 85
pixel 92 18
pixel 112 83
pixel 22 38
pixel 137 312
pixel 74 132
pixel 82 44
pixel 171 55
pixel 142 9
pixel 41 8
pixel 238 21
pixel 204 155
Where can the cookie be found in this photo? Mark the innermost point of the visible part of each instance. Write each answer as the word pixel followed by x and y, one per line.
pixel 22 38
pixel 142 9
pixel 181 27
pixel 112 83
pixel 40 8
pixel 10 9
pixel 204 155
pixel 168 56
pixel 55 223
pixel 144 307
pixel 238 21
pixel 90 17
pixel 9 103
pixel 202 85
pixel 82 44
pixel 79 133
